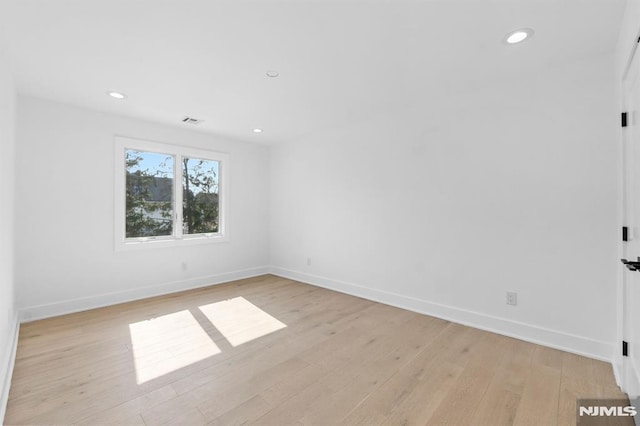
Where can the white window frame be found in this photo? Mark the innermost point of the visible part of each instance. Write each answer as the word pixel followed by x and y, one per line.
pixel 177 238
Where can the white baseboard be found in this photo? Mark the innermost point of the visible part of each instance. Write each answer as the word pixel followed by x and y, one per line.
pixel 34 313
pixel 631 379
pixel 552 338
pixel 617 372
pixel 6 372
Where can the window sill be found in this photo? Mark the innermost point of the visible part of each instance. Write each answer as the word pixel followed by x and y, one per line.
pixel 169 242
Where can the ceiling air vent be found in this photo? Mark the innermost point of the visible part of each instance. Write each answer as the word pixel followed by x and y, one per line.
pixel 191 120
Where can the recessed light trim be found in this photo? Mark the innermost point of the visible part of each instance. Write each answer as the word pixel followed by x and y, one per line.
pixel 117 95
pixel 257 130
pixel 518 36
pixel 272 73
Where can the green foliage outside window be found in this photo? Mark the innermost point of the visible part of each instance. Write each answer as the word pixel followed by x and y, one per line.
pixel 149 195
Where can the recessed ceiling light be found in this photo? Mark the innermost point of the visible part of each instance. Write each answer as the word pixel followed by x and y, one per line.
pixel 117 95
pixel 518 36
pixel 272 73
pixel 257 130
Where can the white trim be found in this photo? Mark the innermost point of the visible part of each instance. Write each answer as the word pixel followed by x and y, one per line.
pixel 552 338
pixel 626 372
pixel 34 313
pixel 7 366
pixel 632 379
pixel 617 373
pixel 121 243
pixel 162 242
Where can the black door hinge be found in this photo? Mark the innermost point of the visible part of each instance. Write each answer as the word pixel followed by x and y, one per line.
pixel 623 119
pixel 625 233
pixel 625 348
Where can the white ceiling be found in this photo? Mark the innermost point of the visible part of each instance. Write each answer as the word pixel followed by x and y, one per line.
pixel 339 61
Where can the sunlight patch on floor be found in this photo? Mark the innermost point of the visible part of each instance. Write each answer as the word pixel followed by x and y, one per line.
pixel 240 321
pixel 167 343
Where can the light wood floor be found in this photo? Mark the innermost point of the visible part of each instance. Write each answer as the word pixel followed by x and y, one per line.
pixel 272 351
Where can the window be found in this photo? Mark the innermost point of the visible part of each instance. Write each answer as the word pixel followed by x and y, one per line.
pixel 168 195
pixel 148 194
pixel 200 201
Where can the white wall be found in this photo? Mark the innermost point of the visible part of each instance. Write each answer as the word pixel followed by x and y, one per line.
pixel 8 320
pixel 65 259
pixel 444 207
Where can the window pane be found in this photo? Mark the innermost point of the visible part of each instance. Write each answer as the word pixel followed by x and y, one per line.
pixel 200 196
pixel 149 197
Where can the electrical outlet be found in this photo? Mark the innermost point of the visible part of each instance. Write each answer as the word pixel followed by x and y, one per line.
pixel 308 261
pixel 512 298
pixel 184 266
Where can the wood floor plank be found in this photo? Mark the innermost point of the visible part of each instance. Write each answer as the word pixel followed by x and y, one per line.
pixel 462 401
pixel 333 359
pixel 245 412
pixel 130 409
pixel 241 392
pixel 364 379
pixel 414 393
pixel 419 406
pixel 540 399
pixel 500 402
pixel 292 385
